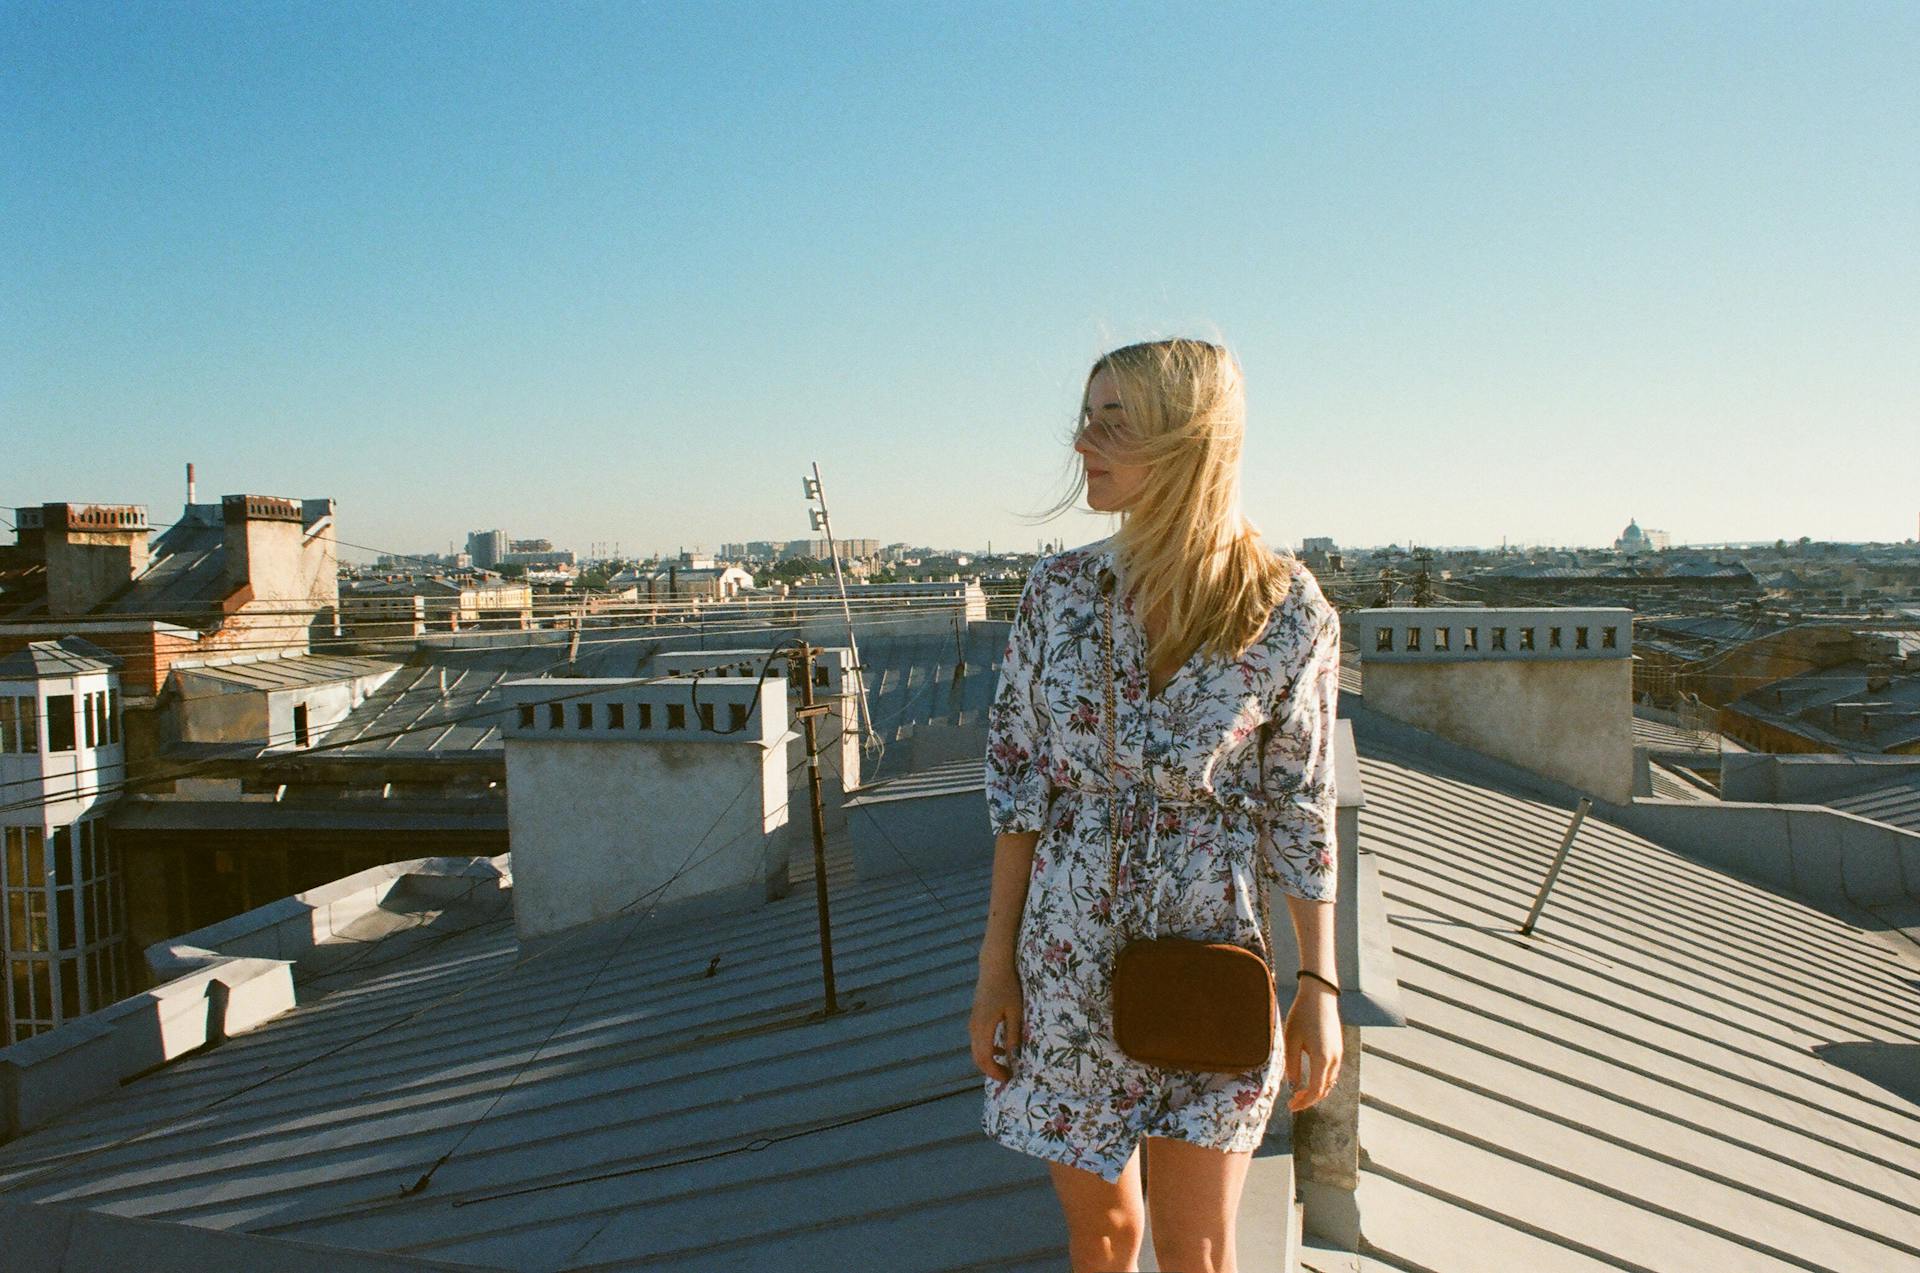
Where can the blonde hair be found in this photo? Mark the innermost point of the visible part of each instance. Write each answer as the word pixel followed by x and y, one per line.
pixel 1183 543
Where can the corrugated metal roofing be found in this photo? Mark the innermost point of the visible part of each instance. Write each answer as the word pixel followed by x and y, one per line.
pixel 1896 803
pixel 65 656
pixel 1664 737
pixel 186 574
pixel 1650 1081
pixel 291 672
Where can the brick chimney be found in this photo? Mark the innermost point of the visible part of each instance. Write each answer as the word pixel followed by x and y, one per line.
pixel 92 551
pixel 263 536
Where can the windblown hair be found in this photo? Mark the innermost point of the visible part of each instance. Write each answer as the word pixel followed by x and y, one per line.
pixel 1183 543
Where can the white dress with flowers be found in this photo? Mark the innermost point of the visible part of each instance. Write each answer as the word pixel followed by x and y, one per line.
pixel 1197 818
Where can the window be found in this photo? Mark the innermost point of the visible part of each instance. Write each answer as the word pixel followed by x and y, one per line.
pixel 26 888
pixel 1553 638
pixel 1472 639
pixel 706 716
pixel 1606 638
pixel 1579 638
pixel 583 715
pixel 60 722
pixel 1499 639
pixel 1443 638
pixel 90 718
pixel 113 715
pixel 556 716
pixel 300 736
pixel 526 715
pixel 616 715
pixel 1526 638
pixel 1413 638
pixel 676 716
pixel 736 715
pixel 646 715
pixel 9 732
pixel 1382 639
pixel 820 674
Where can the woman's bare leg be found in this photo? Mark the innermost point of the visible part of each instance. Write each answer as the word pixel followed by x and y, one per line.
pixel 1194 1194
pixel 1105 1222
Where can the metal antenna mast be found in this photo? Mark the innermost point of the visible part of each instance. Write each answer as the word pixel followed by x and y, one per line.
pixel 822 522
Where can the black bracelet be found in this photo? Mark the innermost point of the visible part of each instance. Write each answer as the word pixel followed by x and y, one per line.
pixel 1308 972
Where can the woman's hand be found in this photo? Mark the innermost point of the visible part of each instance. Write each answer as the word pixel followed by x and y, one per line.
pixel 997 1003
pixel 1312 1031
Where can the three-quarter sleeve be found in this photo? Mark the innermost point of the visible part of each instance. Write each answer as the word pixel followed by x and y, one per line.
pixel 1016 765
pixel 1297 823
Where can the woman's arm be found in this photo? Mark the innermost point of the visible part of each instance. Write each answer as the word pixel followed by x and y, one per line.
pixel 1012 865
pixel 1313 934
pixel 1017 799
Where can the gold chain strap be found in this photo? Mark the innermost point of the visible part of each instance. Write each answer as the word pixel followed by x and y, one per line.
pixel 1113 798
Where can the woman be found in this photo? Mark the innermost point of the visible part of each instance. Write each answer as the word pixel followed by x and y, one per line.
pixel 1215 635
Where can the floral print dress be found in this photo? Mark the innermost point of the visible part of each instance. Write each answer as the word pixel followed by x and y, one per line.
pixel 1209 803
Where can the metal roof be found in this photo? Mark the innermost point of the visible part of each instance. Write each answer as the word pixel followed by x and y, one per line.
pixel 67 656
pixel 1649 1081
pixel 290 672
pixel 1896 803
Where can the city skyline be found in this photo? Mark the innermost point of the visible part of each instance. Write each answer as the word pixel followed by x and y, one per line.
pixel 623 274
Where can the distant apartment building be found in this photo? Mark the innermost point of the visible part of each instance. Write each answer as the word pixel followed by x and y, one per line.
pixel 487 547
pixel 754 550
pixel 821 550
pixel 63 761
pixel 538 559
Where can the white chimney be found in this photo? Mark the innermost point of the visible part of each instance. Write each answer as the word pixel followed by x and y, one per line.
pixel 625 794
pixel 1547 688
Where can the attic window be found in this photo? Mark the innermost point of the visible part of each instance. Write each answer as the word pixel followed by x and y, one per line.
pixel 1382 639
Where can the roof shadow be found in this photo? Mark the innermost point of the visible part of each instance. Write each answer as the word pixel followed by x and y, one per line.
pixel 1894 1066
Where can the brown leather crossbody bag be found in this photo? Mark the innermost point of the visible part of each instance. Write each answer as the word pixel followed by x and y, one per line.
pixel 1177 1002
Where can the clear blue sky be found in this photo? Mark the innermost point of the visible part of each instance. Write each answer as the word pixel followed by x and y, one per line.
pixel 619 272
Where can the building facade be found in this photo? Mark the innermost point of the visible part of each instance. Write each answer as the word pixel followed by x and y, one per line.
pixel 63 761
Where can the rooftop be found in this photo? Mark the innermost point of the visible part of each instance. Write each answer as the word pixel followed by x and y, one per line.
pixel 1651 1080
